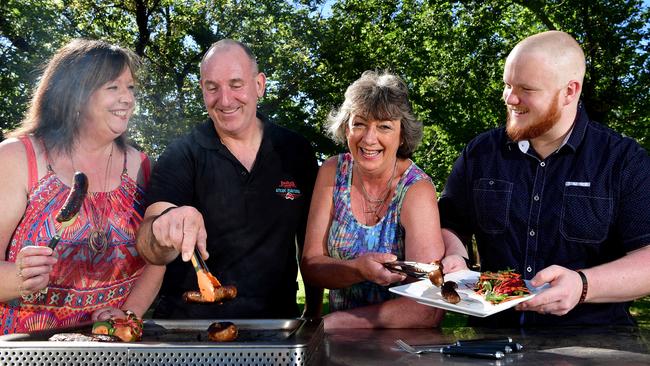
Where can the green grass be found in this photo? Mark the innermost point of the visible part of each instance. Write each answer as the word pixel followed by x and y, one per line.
pixel 640 310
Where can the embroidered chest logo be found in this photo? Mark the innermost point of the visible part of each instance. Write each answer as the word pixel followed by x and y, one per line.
pixel 288 190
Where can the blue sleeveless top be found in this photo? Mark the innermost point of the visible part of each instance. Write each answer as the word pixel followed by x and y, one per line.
pixel 349 238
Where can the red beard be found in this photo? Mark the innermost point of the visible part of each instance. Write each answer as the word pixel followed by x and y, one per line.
pixel 537 127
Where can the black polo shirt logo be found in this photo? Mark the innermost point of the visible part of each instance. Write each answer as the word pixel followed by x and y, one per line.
pixel 288 190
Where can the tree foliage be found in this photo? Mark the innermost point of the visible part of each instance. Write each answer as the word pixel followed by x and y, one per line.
pixel 451 54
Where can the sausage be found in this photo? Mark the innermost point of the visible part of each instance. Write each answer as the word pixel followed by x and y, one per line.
pixel 225 293
pixel 449 293
pixel 75 198
pixel 221 293
pixel 194 296
pixel 222 332
pixel 436 277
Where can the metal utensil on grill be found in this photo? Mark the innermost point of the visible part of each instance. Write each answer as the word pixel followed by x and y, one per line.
pixel 202 270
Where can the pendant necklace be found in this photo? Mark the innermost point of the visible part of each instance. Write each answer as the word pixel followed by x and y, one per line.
pixel 374 205
pixel 98 239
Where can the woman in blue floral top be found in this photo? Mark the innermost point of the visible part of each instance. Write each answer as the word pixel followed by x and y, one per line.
pixel 370 206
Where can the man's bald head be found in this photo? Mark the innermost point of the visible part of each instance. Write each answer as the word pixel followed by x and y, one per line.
pixel 559 51
pixel 227 45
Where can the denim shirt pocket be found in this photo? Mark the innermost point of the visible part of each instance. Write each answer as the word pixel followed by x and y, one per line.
pixel 492 204
pixel 585 218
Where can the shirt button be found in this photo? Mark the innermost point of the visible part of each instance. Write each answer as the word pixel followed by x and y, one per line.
pixel 532 233
pixel 542 164
pixel 536 198
pixel 491 182
pixel 243 173
pixel 528 269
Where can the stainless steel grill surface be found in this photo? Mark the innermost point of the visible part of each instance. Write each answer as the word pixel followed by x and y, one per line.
pixel 174 342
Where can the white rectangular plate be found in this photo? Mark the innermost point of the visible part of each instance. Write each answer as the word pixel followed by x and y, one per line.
pixel 470 303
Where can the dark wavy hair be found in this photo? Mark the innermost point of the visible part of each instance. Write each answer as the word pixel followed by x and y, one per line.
pixel 74 72
pixel 381 96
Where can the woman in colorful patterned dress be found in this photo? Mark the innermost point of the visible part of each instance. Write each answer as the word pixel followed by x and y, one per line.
pixel 370 206
pixel 76 122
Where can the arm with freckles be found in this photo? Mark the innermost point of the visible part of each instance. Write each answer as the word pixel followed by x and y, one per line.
pixel 423 243
pixel 36 262
pixel 621 280
pixel 317 267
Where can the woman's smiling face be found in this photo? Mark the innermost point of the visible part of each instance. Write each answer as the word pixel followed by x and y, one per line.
pixel 110 107
pixel 372 143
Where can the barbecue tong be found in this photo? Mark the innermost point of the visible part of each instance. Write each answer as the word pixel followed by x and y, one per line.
pixel 411 268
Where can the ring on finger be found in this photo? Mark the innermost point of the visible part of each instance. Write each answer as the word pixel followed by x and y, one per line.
pixel 24 294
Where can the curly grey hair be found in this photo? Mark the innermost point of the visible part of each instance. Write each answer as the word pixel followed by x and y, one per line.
pixel 380 96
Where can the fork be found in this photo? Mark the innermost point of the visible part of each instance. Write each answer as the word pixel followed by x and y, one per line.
pixel 408 348
pixel 476 352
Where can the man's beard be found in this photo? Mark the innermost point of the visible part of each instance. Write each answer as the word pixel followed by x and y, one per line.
pixel 535 128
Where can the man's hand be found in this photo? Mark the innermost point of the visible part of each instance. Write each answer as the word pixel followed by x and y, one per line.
pixel 561 297
pixel 181 228
pixel 453 263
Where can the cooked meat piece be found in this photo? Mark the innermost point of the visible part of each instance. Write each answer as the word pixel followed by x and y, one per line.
pixel 221 293
pixel 449 293
pixel 222 332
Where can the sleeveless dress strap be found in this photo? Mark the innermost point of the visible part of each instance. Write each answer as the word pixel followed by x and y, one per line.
pixel 146 168
pixel 32 167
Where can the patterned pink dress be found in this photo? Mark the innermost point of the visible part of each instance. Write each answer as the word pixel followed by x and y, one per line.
pixel 82 280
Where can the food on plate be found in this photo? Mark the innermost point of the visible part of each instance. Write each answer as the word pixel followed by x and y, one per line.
pixel 222 332
pixel 447 288
pixel 433 271
pixel 127 330
pixel 217 294
pixel 448 292
pixel 435 276
pixel 79 337
pixel 75 198
pixel 501 286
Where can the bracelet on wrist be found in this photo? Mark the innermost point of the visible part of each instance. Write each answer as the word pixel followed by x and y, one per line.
pixel 585 287
pixel 164 212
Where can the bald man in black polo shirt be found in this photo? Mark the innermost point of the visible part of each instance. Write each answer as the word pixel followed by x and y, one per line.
pixel 554 195
pixel 238 188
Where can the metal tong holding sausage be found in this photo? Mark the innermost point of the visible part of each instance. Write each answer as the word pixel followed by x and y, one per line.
pixel 412 269
pixel 210 289
pixel 432 271
pixel 201 267
pixel 70 210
